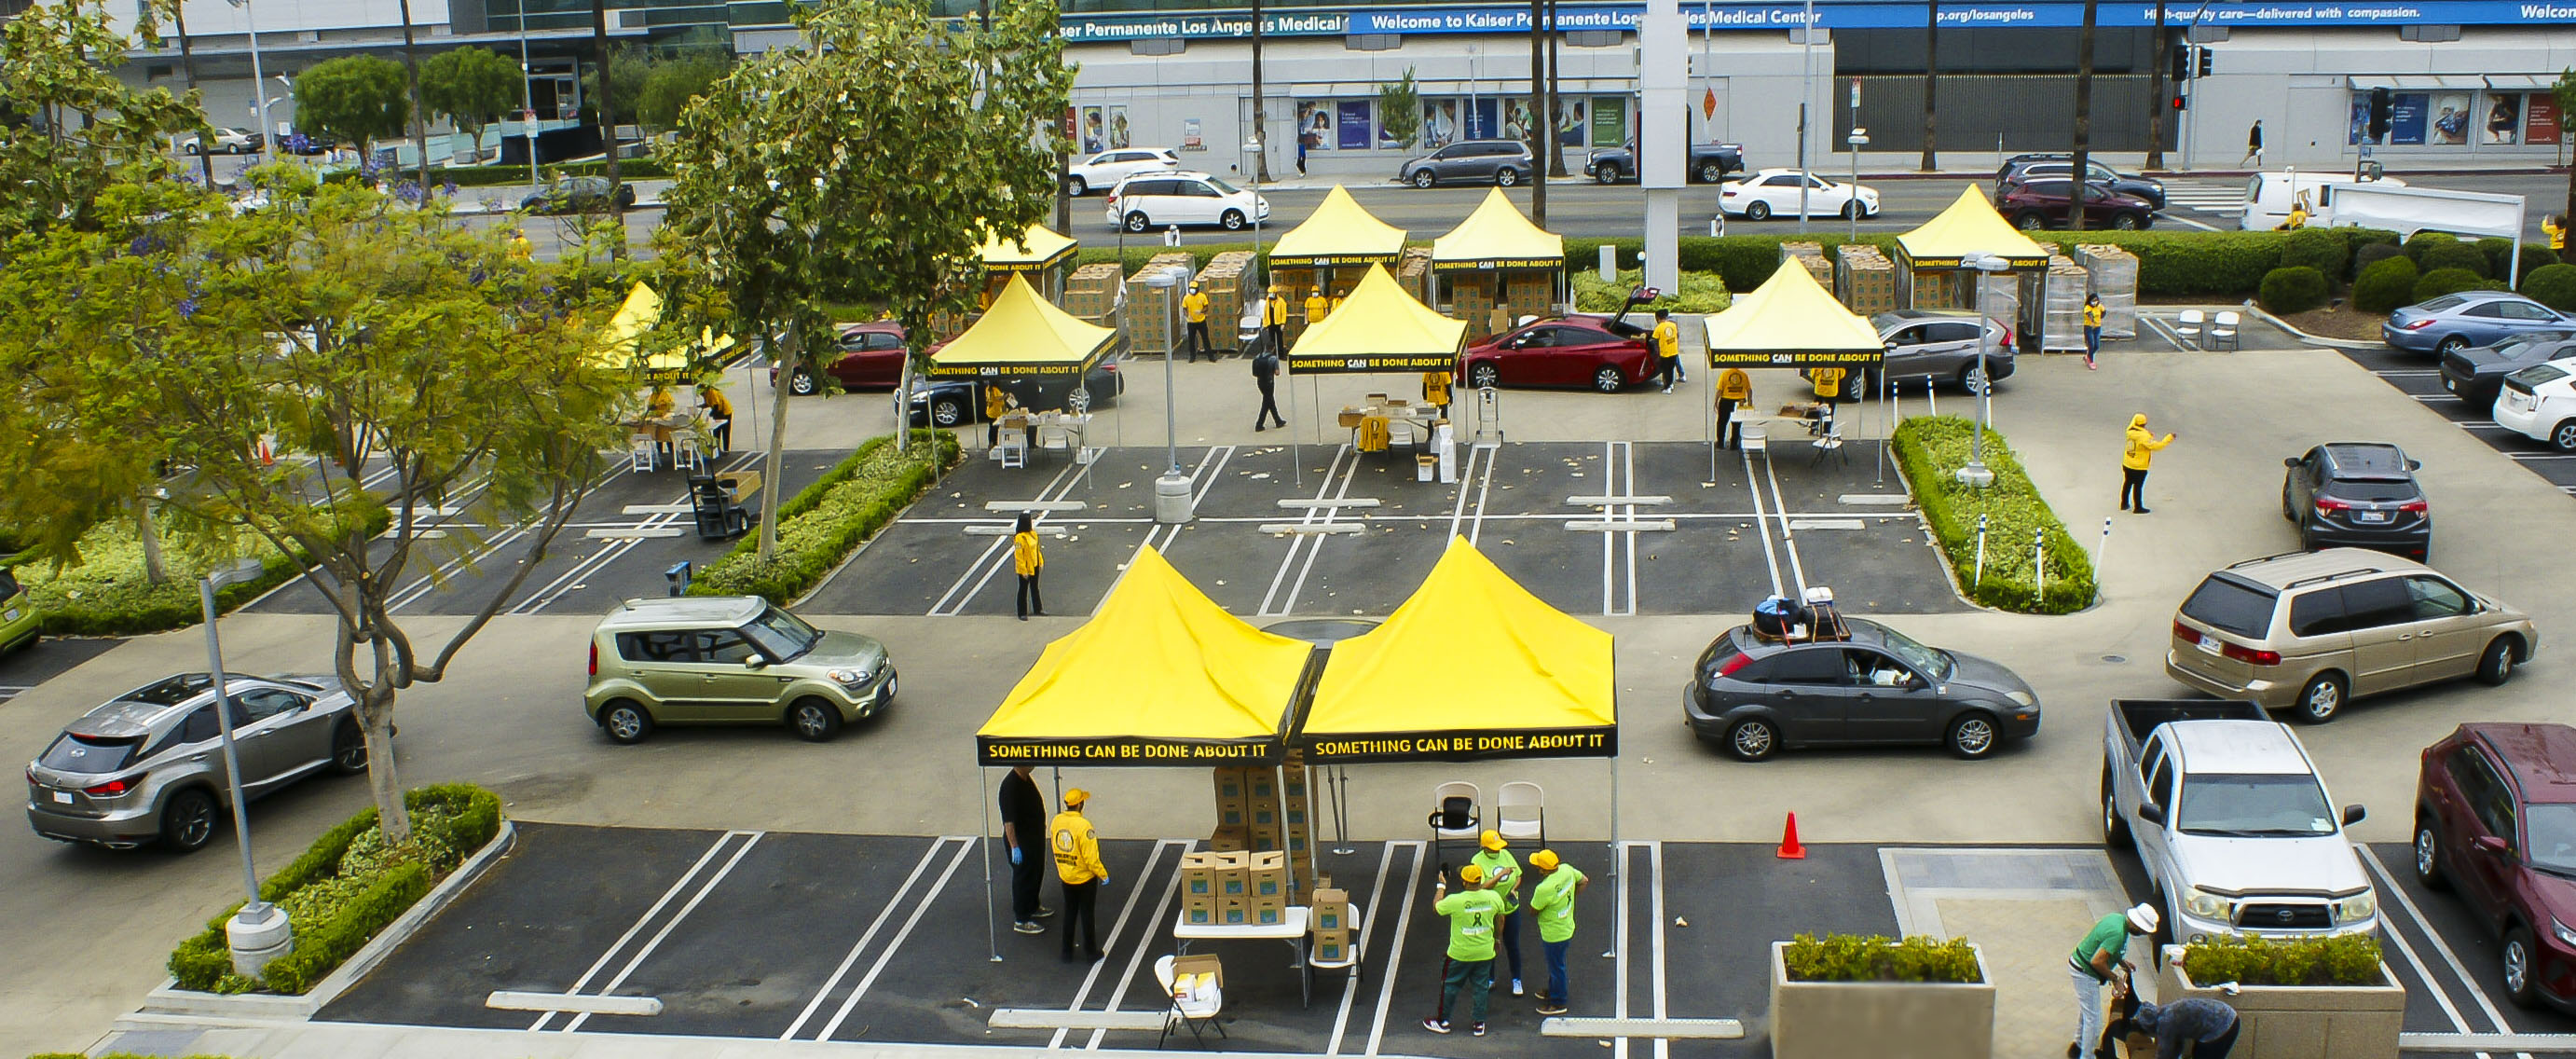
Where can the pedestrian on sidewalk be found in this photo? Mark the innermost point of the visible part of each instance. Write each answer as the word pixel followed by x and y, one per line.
pixel 1552 901
pixel 2207 1026
pixel 1077 864
pixel 1195 306
pixel 1668 348
pixel 1305 137
pixel 2254 144
pixel 2092 329
pixel 2139 451
pixel 1265 372
pixel 1024 834
pixel 1026 561
pixel 1472 912
pixel 1503 877
pixel 2102 949
pixel 1734 391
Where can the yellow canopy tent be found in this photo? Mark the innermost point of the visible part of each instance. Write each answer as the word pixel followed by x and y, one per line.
pixel 1023 336
pixel 1035 250
pixel 1379 328
pixel 1339 232
pixel 1790 322
pixel 621 342
pixel 1969 226
pixel 1496 236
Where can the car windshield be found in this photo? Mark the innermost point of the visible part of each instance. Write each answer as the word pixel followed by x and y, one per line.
pixel 1222 187
pixel 2253 806
pixel 2443 304
pixel 2539 373
pixel 1929 660
pixel 89 755
pixel 2222 603
pixel 9 587
pixel 780 635
pixel 2551 830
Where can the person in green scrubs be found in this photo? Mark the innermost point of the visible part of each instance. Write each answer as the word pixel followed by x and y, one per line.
pixel 1472 913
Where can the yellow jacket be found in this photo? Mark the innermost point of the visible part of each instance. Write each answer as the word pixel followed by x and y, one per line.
pixel 1274 313
pixel 1077 848
pixel 2142 444
pixel 713 400
pixel 996 402
pixel 1829 382
pixel 1735 386
pixel 1435 388
pixel 2555 230
pixel 1196 305
pixel 1025 559
pixel 1317 309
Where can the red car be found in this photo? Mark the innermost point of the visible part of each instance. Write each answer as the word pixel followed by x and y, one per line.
pixel 2495 820
pixel 871 358
pixel 1568 351
pixel 2043 203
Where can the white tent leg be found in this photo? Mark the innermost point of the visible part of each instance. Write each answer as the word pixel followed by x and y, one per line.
pixel 992 934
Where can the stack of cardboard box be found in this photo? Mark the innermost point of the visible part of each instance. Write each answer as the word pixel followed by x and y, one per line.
pixel 1812 257
pixel 1153 315
pixel 1413 273
pixel 1224 281
pixel 2062 305
pixel 1328 926
pixel 1864 278
pixel 1234 889
pixel 1529 292
pixel 1092 292
pixel 2113 275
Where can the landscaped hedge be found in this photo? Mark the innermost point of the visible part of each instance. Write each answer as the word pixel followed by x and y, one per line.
pixel 1701 292
pixel 819 527
pixel 107 595
pixel 2443 281
pixel 2384 285
pixel 2553 285
pixel 345 888
pixel 2293 289
pixel 1878 958
pixel 1931 449
pixel 2351 959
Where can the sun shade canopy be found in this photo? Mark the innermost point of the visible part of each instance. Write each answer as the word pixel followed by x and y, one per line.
pixel 1970 226
pixel 1472 666
pixel 622 341
pixel 1159 676
pixel 1022 335
pixel 1036 250
pixel 1790 322
pixel 1379 328
pixel 1497 236
pixel 1339 232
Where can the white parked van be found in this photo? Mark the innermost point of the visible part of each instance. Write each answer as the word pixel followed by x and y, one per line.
pixel 2268 196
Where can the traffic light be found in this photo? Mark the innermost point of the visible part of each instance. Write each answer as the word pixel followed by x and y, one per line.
pixel 2181 64
pixel 2381 109
pixel 2207 59
pixel 2178 102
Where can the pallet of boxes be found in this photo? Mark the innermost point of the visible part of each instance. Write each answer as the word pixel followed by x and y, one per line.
pixel 1864 279
pixel 1810 256
pixel 1223 282
pixel 1153 314
pixel 1256 862
pixel 2112 275
pixel 1092 292
pixel 2062 318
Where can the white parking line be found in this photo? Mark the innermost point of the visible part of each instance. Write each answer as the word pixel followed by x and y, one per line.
pixel 943 607
pixel 964 846
pixel 1395 954
pixel 1761 527
pixel 2388 884
pixel 1137 958
pixel 641 921
pixel 1368 923
pixel 1663 1045
pixel 670 925
pixel 1788 533
pixel 1310 543
pixel 892 903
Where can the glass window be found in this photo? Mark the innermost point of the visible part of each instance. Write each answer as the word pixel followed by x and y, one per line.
pixel 2372 604
pixel 2525 311
pixel 1224 187
pixel 261 703
pixel 2491 311
pixel 1198 190
pixel 201 726
pixel 781 635
pixel 2160 782
pixel 1930 660
pixel 2317 613
pixel 724 647
pixel 1872 669
pixel 91 755
pixel 2231 605
pixel 2254 806
pixel 1809 665
pixel 2493 801
pixel 2436 598
pixel 657 646
pixel 1950 332
pixel 2550 831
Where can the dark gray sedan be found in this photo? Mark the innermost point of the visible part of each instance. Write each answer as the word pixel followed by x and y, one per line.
pixel 149 766
pixel 1756 695
pixel 2476 374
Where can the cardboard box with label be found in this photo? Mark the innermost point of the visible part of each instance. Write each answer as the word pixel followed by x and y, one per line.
pixel 1230 871
pixel 1229 839
pixel 1332 909
pixel 1200 910
pixel 1266 910
pixel 1329 947
pixel 1229 782
pixel 1267 875
pixel 1198 874
pixel 1233 910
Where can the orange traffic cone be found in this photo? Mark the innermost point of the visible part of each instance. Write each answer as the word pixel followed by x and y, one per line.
pixel 1789 847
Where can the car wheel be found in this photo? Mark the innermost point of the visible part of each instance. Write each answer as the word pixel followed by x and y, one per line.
pixel 2428 857
pixel 1422 178
pixel 188 821
pixel 1757 210
pixel 2127 222
pixel 2115 831
pixel 1973 377
pixel 1752 740
pixel 2288 513
pixel 1507 177
pixel 814 720
pixel 1232 221
pixel 2321 699
pixel 802 383
pixel 1973 736
pixel 192 150
pixel 1851 210
pixel 2451 345
pixel 1076 187
pixel 2496 666
pixel 1855 388
pixel 1711 173
pixel 1137 222
pixel 626 722
pixel 2563 436
pixel 348 749
pixel 2030 221
pixel 1607 378
pixel 1484 376
pixel 1607 174
pixel 946 412
pixel 2515 960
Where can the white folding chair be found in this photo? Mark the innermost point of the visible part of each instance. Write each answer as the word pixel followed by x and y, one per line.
pixel 1520 812
pixel 639 452
pixel 684 451
pixel 2190 324
pixel 1830 443
pixel 1447 826
pixel 2224 329
pixel 1194 1008
pixel 1756 437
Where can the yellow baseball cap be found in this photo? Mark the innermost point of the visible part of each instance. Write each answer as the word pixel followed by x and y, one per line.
pixel 1076 796
pixel 1491 839
pixel 1471 873
pixel 1544 860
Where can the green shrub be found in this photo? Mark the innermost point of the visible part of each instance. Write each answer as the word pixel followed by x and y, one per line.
pixel 2189 264
pixel 2322 249
pixel 2552 285
pixel 1878 958
pixel 821 525
pixel 2368 254
pixel 2294 289
pixel 2500 259
pixel 108 595
pixel 346 888
pixel 2421 243
pixel 2462 256
pixel 1701 292
pixel 2351 959
pixel 2384 285
pixel 2443 281
pixel 483 176
pixel 1930 450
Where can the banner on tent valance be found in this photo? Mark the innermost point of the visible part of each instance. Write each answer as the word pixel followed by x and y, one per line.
pixel 1328 260
pixel 1819 358
pixel 1365 365
pixel 1491 263
pixel 1123 751
pixel 1012 371
pixel 1453 746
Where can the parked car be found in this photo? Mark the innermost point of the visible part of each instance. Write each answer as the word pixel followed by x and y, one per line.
pixel 580 194
pixel 1502 162
pixel 950 402
pixel 1939 345
pixel 1106 169
pixel 224 141
pixel 1560 351
pixel 2476 375
pixel 2308 631
pixel 2539 402
pixel 2495 823
pixel 2359 494
pixel 2231 822
pixel 1775 192
pixel 2058 164
pixel 1143 203
pixel 2032 205
pixel 2469 318
pixel 729 660
pixel 1709 163
pixel 1755 694
pixel 871 358
pixel 20 620
pixel 147 767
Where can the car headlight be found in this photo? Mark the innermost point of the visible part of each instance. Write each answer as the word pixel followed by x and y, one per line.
pixel 851 677
pixel 2366 904
pixel 2565 936
pixel 2022 698
pixel 2204 904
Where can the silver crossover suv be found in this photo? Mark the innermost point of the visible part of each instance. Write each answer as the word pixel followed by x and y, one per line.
pixel 149 766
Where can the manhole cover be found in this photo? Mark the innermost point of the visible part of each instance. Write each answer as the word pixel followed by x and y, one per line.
pixel 2115 658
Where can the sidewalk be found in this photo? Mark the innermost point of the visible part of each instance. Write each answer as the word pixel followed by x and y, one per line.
pixel 182 1035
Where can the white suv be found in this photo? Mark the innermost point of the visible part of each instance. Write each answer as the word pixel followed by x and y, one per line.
pixel 1106 169
pixel 1149 200
pixel 2539 402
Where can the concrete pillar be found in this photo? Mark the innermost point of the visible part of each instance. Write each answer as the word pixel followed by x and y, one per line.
pixel 1663 134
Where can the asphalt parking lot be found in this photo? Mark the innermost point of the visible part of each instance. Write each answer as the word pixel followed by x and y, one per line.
pixel 45 659
pixel 2419 375
pixel 1705 544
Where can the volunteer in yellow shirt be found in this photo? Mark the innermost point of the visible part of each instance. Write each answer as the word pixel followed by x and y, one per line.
pixel 1195 306
pixel 1077 864
pixel 1435 392
pixel 719 413
pixel 1026 562
pixel 1274 320
pixel 1317 306
pixel 1668 348
pixel 2135 455
pixel 2093 314
pixel 1734 390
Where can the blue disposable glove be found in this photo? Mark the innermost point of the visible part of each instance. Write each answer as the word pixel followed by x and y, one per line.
pixel 1015 855
pixel 1104 879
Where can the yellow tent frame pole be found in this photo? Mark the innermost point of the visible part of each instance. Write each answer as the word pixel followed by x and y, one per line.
pixel 992 932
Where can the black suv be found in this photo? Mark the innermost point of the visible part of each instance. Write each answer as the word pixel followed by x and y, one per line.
pixel 2023 167
pixel 2359 494
pixel 1505 162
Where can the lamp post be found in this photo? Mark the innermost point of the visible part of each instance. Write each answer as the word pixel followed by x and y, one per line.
pixel 1172 490
pixel 1976 474
pixel 260 931
pixel 528 103
pixel 1859 138
pixel 1806 91
pixel 259 99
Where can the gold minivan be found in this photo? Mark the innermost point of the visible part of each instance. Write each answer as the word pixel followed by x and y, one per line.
pixel 2309 631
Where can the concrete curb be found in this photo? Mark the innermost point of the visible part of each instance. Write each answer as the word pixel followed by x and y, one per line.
pixel 2314 340
pixel 168 999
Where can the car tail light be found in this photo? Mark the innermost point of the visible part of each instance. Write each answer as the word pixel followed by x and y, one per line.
pixel 594 658
pixel 2250 656
pixel 2186 633
pixel 111 788
pixel 2414 507
pixel 1729 667
pixel 2327 504
pixel 2420 324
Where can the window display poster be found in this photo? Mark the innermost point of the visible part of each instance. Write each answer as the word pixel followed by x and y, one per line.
pixel 1095 132
pixel 1480 120
pixel 1572 128
pixel 2540 122
pixel 1118 137
pixel 1609 121
pixel 1315 124
pixel 1517 121
pixel 1439 123
pixel 2504 118
pixel 1353 114
pixel 2451 118
pixel 1191 138
pixel 2359 131
pixel 2406 119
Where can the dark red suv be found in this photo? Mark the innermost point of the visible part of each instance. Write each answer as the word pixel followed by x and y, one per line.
pixel 2035 204
pixel 2495 820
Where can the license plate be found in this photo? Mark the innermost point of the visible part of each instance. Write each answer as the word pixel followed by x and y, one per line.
pixel 2451 385
pixel 2372 516
pixel 62 797
pixel 2210 646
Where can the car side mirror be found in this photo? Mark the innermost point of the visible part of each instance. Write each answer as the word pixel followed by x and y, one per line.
pixel 2352 814
pixel 2151 813
pixel 2492 844
pixel 2414 465
pixel 2290 462
pixel 755 662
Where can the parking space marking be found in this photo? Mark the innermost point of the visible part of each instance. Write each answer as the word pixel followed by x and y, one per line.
pixel 658 524
pixel 1368 924
pixel 640 921
pixel 2164 331
pixel 429 583
pixel 1788 533
pixel 1619 942
pixel 1458 508
pixel 2388 884
pixel 2526 456
pixel 752 838
pixel 1761 527
pixel 1299 542
pixel 1655 864
pixel 965 845
pixel 1395 953
pixel 1055 489
pixel 1161 536
pixel 1118 927
pixel 892 903
pixel 1484 488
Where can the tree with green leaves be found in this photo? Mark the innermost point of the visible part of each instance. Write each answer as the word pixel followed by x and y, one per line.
pixel 58 64
pixel 2565 91
pixel 1399 110
pixel 357 99
pixel 471 87
pixel 628 69
pixel 672 84
pixel 373 336
pixel 868 166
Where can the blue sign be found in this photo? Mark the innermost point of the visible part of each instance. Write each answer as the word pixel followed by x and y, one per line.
pixel 1829 14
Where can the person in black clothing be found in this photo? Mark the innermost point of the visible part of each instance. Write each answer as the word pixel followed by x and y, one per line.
pixel 2207 1026
pixel 1265 368
pixel 1024 834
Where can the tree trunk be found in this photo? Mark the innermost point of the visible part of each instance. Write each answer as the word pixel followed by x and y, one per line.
pixel 188 64
pixel 608 131
pixel 1260 127
pixel 1931 68
pixel 419 121
pixel 2156 101
pixel 2082 168
pixel 2567 254
pixel 1539 122
pixel 792 344
pixel 384 783
pixel 154 571
pixel 1555 138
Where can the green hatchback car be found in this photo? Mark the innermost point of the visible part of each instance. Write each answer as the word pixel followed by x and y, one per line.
pixel 730 660
pixel 20 621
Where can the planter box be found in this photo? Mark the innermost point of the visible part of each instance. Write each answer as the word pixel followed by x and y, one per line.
pixel 2305 1022
pixel 1918 1020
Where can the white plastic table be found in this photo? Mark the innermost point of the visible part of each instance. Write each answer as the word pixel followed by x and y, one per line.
pixel 1291 928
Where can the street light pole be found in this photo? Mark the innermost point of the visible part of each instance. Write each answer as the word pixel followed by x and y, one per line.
pixel 528 100
pixel 1172 490
pixel 1976 474
pixel 259 932
pixel 258 91
pixel 1806 92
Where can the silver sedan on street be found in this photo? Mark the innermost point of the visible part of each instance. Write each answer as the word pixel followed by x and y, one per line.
pixel 149 765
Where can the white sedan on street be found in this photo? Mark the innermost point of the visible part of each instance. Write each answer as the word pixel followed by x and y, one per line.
pixel 1104 170
pixel 1775 191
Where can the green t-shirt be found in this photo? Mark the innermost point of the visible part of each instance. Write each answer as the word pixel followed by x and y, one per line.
pixel 2110 932
pixel 1553 900
pixel 1502 875
pixel 1471 923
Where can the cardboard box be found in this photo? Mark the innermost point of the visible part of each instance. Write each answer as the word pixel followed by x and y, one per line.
pixel 1265 837
pixel 1200 910
pixel 1231 873
pixel 1229 779
pixel 1263 813
pixel 1332 909
pixel 1261 785
pixel 1229 839
pixel 1329 947
pixel 1203 963
pixel 1198 874
pixel 1232 812
pixel 1234 911
pixel 1262 911
pixel 1267 875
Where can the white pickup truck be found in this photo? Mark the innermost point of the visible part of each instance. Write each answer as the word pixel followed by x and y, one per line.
pixel 2235 829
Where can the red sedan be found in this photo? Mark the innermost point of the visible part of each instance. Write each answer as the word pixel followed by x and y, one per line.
pixel 871 358
pixel 1572 351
